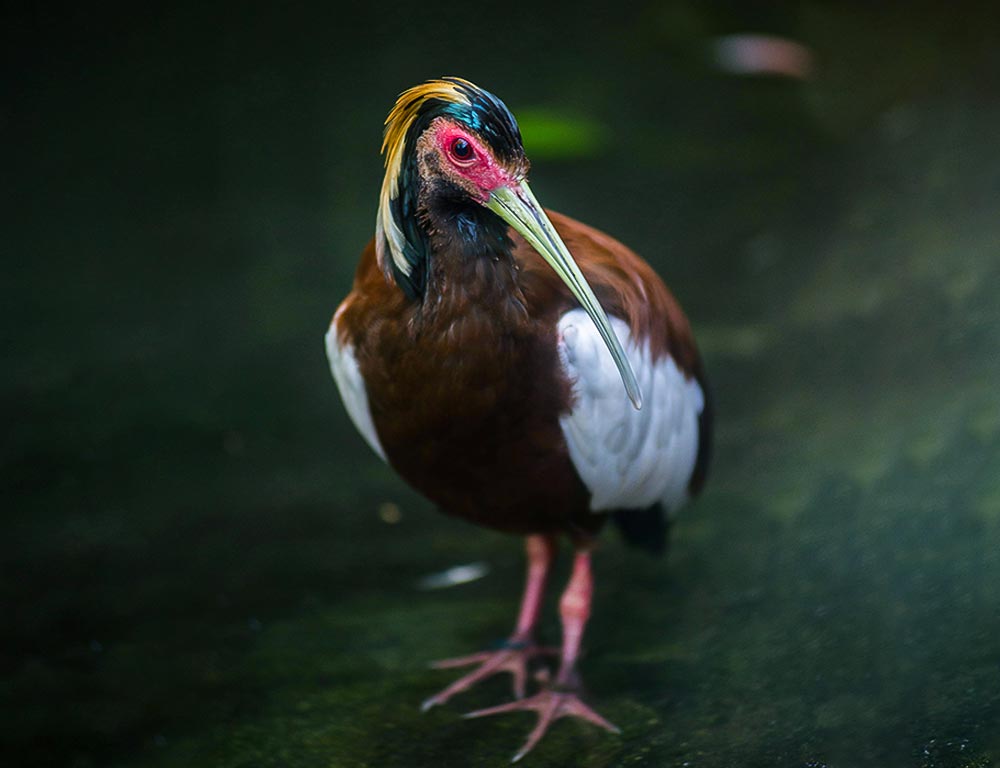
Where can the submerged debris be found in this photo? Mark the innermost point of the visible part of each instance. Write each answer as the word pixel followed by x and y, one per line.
pixel 747 54
pixel 389 513
pixel 457 574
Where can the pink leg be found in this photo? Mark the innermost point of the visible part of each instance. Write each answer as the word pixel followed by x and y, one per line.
pixel 561 701
pixel 541 551
pixel 574 608
pixel 521 646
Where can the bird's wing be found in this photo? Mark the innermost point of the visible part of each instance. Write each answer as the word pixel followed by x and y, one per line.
pixel 628 459
pixel 351 384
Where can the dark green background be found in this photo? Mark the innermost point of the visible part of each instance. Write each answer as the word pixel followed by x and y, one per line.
pixel 194 571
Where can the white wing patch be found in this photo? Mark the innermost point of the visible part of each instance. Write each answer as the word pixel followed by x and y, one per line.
pixel 351 385
pixel 628 459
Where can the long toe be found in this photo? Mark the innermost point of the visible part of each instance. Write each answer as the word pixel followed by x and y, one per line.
pixel 550 706
pixel 515 660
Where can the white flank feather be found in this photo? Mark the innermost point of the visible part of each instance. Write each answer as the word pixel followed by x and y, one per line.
pixel 351 385
pixel 628 459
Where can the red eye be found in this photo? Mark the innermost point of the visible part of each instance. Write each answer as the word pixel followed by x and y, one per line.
pixel 462 150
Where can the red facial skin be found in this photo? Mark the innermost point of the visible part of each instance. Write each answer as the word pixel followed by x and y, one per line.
pixel 479 169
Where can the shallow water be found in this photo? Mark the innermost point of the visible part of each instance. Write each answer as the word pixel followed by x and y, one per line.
pixel 199 567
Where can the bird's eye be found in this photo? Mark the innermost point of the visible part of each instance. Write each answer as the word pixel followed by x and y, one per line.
pixel 462 150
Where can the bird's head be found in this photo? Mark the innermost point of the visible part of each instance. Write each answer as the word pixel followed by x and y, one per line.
pixel 454 150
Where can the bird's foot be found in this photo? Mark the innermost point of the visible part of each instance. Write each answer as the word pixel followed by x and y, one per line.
pixel 515 658
pixel 550 706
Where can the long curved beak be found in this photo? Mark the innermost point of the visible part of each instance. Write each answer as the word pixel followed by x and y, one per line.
pixel 518 207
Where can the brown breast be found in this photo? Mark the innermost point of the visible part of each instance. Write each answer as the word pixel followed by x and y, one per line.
pixel 466 389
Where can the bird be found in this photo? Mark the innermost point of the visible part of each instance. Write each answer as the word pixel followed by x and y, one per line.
pixel 521 370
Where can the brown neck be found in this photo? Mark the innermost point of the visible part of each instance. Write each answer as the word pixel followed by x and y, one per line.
pixel 472 284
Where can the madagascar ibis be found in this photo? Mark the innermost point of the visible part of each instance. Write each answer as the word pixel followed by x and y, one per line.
pixel 523 371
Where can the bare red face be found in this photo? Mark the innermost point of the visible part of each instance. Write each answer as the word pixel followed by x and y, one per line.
pixel 466 157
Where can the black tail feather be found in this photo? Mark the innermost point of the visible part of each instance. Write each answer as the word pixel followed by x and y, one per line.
pixel 647 529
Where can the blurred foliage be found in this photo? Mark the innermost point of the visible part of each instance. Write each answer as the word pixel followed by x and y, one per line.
pixel 549 134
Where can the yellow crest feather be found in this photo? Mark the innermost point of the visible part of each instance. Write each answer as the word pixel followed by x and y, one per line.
pixel 397 125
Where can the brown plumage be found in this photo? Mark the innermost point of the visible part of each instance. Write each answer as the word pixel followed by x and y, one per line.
pixel 496 456
pixel 464 360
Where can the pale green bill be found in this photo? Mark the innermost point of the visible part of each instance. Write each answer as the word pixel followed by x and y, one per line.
pixel 519 208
